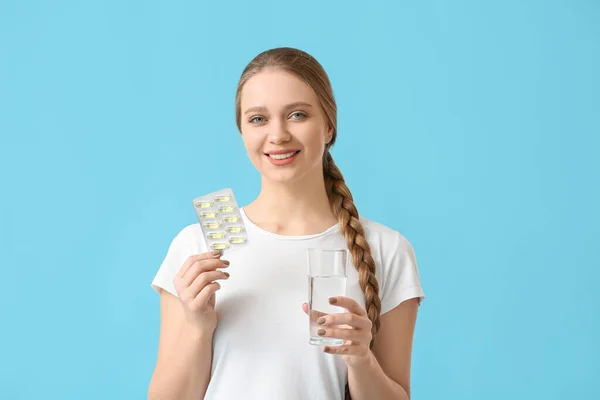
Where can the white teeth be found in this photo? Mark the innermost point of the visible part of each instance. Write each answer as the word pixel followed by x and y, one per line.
pixel 282 156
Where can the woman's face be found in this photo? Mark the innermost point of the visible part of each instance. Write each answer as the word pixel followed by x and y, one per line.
pixel 283 126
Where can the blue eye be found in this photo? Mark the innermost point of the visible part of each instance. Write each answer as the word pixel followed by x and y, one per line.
pixel 254 119
pixel 300 113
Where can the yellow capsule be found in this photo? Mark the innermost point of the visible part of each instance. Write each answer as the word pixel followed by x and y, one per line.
pixel 234 229
pixel 231 219
pixel 216 235
pixel 222 199
pixel 204 204
pixel 219 246
pixel 208 214
pixel 212 224
pixel 225 209
pixel 237 240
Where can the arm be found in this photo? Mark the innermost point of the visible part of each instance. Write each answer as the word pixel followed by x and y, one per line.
pixel 184 356
pixel 386 372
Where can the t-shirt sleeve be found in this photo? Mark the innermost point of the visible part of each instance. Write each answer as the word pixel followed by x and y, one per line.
pixel 401 280
pixel 181 248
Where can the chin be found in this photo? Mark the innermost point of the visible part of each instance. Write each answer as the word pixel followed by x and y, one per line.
pixel 282 177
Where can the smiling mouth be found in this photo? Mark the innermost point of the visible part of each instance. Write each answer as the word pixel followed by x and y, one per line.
pixel 284 155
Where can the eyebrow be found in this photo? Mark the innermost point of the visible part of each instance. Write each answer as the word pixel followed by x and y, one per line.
pixel 291 105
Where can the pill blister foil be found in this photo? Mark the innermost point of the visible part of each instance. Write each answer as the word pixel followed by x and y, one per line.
pixel 221 221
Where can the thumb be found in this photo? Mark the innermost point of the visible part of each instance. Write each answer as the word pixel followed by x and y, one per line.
pixel 305 308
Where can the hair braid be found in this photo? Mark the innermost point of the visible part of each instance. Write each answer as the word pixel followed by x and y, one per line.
pixel 342 205
pixel 344 209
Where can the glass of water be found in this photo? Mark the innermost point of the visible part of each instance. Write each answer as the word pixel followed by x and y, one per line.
pixel 326 278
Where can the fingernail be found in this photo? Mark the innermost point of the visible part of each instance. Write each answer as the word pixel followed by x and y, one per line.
pixel 332 300
pixel 321 332
pixel 226 274
pixel 321 321
pixel 215 252
pixel 225 262
pixel 327 349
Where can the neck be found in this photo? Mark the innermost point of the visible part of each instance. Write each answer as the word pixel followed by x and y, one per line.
pixel 293 208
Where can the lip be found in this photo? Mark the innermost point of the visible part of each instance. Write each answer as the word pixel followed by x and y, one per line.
pixel 284 151
pixel 285 161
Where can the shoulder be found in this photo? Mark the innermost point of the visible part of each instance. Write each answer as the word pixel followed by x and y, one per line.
pixel 186 242
pixel 385 238
pixel 396 267
pixel 188 239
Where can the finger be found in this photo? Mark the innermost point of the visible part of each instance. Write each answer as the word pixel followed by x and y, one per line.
pixel 349 304
pixel 204 295
pixel 200 267
pixel 348 319
pixel 197 257
pixel 204 279
pixel 314 315
pixel 345 349
pixel 353 335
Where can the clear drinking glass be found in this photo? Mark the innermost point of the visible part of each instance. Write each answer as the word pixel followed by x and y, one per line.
pixel 326 278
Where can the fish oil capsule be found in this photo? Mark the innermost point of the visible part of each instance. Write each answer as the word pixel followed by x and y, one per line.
pixel 204 204
pixel 208 214
pixel 219 246
pixel 215 235
pixel 221 221
pixel 234 229
pixel 212 224
pixel 226 209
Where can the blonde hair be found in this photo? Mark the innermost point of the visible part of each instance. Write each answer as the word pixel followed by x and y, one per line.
pixel 309 70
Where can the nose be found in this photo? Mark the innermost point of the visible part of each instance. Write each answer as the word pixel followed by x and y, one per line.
pixel 278 133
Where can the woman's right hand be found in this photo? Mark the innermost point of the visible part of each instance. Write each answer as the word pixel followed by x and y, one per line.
pixel 196 285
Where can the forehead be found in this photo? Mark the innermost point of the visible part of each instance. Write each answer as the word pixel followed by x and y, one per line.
pixel 275 88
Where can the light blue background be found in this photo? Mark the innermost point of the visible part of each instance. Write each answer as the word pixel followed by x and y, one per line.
pixel 471 127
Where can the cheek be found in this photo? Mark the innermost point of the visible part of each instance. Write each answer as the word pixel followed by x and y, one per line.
pixel 317 143
pixel 253 145
pixel 249 140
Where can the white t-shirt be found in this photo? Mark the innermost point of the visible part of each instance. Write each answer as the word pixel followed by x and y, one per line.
pixel 260 347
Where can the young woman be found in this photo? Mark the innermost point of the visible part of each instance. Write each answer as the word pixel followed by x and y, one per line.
pixel 251 340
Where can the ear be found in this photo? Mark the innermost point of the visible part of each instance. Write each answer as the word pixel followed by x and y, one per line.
pixel 329 135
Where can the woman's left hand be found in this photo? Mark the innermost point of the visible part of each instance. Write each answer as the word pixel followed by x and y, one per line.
pixel 356 334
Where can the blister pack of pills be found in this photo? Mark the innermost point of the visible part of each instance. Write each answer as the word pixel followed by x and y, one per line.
pixel 220 219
